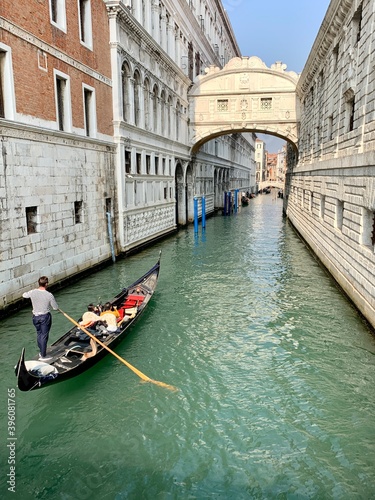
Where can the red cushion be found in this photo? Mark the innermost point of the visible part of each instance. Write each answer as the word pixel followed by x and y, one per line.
pixel 138 298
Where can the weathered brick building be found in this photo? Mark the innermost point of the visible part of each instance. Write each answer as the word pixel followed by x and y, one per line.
pixel 56 181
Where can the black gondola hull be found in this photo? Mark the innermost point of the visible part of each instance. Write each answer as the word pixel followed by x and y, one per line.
pixel 34 374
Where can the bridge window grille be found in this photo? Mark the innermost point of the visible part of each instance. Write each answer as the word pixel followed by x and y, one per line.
pixel 266 103
pixel 222 105
pixel 32 220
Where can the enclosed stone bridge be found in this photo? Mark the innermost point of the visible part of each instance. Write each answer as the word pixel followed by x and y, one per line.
pixel 244 96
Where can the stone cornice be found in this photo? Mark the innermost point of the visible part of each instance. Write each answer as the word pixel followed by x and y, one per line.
pixel 52 51
pixel 126 20
pixel 332 23
pixel 22 131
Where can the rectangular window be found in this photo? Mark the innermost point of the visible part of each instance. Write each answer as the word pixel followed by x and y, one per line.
pixel 63 107
pixel 58 14
pixel 266 103
pixel 108 206
pixel 339 214
pixel 165 193
pixel 128 163
pixel 222 105
pixel 357 24
pixel 322 206
pixel 156 165
pixel 139 163
pixel 368 228
pixel 330 128
pixel 32 220
pixel 7 96
pixel 78 212
pixel 163 163
pixel 148 164
pixel 335 57
pixel 85 26
pixel 89 111
pixel 350 107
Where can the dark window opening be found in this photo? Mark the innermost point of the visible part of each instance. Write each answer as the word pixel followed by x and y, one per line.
pixel 31 219
pixel 60 89
pixel 351 108
pixel 87 103
pixel 156 165
pixel 373 230
pixel 2 102
pixel 54 10
pixel 108 205
pixel 128 162
pixel 78 212
pixel 139 163
pixel 148 163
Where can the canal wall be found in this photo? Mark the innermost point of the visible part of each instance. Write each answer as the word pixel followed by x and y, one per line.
pixel 55 192
pixel 330 189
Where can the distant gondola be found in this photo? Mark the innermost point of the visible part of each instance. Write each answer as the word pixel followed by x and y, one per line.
pixel 75 352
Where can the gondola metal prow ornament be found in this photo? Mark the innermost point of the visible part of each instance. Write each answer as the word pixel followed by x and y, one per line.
pixel 131 367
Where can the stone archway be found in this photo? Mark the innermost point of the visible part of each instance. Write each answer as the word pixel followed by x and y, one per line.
pixel 244 96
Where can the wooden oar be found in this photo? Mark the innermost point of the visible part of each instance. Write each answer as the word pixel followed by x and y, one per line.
pixel 135 370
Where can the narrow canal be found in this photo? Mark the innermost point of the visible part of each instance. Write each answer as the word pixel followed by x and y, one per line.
pixel 274 366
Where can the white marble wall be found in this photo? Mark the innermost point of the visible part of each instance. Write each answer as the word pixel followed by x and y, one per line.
pixel 51 172
pixel 331 190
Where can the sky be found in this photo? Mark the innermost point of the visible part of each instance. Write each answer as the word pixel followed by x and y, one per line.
pixel 276 30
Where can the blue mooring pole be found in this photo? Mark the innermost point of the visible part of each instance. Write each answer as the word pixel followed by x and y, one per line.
pixel 203 212
pixel 196 215
pixel 236 200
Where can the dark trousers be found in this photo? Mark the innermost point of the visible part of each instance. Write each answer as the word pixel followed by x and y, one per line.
pixel 42 324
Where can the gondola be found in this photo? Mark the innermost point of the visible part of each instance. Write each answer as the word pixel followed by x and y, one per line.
pixel 75 352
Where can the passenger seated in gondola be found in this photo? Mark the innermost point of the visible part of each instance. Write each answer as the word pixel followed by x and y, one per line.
pixel 108 308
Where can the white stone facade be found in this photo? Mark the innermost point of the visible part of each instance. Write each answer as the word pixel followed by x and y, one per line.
pixel 331 190
pixel 54 180
pixel 95 122
pixel 156 52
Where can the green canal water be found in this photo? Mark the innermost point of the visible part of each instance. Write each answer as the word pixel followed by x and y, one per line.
pixel 275 371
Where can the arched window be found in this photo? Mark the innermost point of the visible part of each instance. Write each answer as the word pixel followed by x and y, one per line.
pixel 169 119
pixel 146 100
pixel 162 112
pixel 137 98
pixel 125 74
pixel 178 117
pixel 155 95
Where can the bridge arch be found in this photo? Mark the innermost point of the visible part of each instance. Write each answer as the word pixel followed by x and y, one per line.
pixel 244 96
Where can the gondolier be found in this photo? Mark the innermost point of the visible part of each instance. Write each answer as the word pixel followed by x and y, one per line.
pixel 80 348
pixel 42 301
